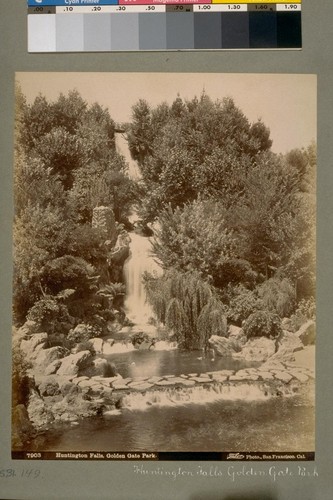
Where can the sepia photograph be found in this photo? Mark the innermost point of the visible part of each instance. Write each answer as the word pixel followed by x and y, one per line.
pixel 164 288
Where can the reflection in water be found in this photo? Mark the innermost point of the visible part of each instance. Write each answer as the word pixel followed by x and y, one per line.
pixel 134 363
pixel 274 424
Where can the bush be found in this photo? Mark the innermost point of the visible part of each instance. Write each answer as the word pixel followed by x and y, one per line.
pixel 242 303
pixel 50 314
pixel 306 310
pixel 81 333
pixel 86 346
pixel 262 324
pixel 278 296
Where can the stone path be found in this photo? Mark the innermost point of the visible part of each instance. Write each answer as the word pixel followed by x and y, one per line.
pixel 268 372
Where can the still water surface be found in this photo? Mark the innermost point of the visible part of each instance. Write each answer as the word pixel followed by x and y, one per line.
pixel 204 421
pixel 270 425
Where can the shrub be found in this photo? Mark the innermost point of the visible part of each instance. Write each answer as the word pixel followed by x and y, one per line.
pixel 140 337
pixel 262 324
pixel 86 346
pixel 81 333
pixel 278 296
pixel 50 314
pixel 306 310
pixel 242 303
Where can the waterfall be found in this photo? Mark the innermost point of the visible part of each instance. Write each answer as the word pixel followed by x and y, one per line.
pixel 123 149
pixel 140 260
pixel 199 395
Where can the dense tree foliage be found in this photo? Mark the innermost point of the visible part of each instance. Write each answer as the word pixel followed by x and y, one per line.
pixel 179 149
pixel 65 165
pixel 188 306
pixel 235 222
pixel 227 207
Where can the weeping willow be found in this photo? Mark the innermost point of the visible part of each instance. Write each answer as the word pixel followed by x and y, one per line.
pixel 187 306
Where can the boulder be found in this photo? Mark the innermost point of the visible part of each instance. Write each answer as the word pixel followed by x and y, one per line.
pixel 49 388
pixel 30 348
pixel 29 328
pixel 258 349
pixel 222 346
pixel 70 388
pixel 284 354
pixel 283 376
pixel 52 367
pixel 142 341
pixel 81 333
pixel 101 367
pixel 97 344
pixel 38 412
pixel 71 364
pixel 46 356
pixel 286 324
pixel 307 333
pixel 22 428
pixel 290 341
pixel 236 333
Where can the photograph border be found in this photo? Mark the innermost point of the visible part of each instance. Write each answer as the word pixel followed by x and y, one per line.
pixel 57 480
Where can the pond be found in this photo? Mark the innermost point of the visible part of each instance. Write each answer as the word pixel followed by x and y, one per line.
pixel 284 424
pixel 135 363
pixel 198 419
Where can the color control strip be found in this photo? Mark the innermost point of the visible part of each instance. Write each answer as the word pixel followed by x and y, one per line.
pixel 135 25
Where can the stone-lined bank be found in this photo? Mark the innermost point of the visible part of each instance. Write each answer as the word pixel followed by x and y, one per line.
pixel 66 385
pixel 69 398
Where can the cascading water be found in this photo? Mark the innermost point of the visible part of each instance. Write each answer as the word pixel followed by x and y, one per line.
pixel 123 149
pixel 200 395
pixel 140 260
pixel 138 310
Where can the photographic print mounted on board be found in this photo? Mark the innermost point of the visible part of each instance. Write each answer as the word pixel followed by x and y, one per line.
pixel 164 254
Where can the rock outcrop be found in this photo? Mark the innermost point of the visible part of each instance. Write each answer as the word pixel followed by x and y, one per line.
pixel 236 333
pixel 70 365
pixel 31 347
pixel 99 367
pixel 307 333
pixel 258 349
pixel 22 428
pixel 47 356
pixel 290 341
pixel 222 346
